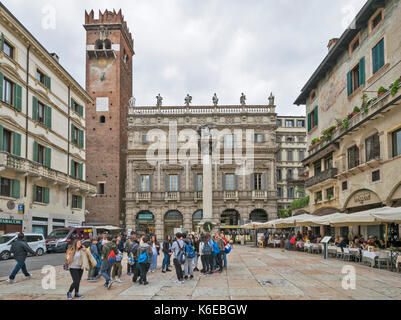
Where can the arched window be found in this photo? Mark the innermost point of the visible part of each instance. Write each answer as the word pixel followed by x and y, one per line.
pixel 107 44
pixel 102 119
pixel 99 44
pixel 258 215
pixel 196 219
pixel 230 217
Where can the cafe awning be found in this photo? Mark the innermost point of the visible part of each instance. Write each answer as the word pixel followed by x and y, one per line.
pixel 369 217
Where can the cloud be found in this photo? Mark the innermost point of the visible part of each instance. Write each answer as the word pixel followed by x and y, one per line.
pixel 203 47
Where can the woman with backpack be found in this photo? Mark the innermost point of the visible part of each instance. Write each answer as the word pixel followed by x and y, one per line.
pixel 197 254
pixel 178 248
pixel 189 261
pixel 155 253
pixel 207 252
pixel 74 263
pixel 117 266
pixel 166 248
pixel 144 258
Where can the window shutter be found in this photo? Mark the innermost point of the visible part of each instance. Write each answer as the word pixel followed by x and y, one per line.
pixel 73 168
pixel 381 54
pixel 2 41
pixel 138 183
pixel 150 183
pixel 309 122
pixel 223 181
pixel 252 181
pixel 16 144
pixel 362 71
pixel 34 108
pixel 349 82
pixel 48 157
pixel 196 182
pixel 80 202
pixel 81 139
pixel 178 182
pixel 1 85
pixel 1 137
pixel 375 59
pixel 235 182
pixel 72 132
pixel 35 151
pixel 80 171
pixel 18 97
pixel 72 103
pixel 167 186
pixel 16 189
pixel 48 82
pixel 48 117
pixel 264 181
pixel 316 115
pixel 81 110
pixel 46 195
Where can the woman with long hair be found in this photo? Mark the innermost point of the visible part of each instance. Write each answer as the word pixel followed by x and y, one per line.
pixel 73 258
pixel 167 253
pixel 155 252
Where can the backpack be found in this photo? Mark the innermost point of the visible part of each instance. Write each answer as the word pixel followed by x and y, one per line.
pixel 216 249
pixel 119 257
pixel 143 257
pixel 131 259
pixel 181 254
pixel 227 249
pixel 112 256
pixel 189 251
pixel 207 249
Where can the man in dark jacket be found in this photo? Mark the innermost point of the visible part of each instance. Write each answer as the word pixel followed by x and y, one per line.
pixel 105 269
pixel 144 247
pixel 128 248
pixel 20 250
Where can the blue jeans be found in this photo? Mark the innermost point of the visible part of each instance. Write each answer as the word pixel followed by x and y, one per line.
pixel 154 262
pixel 166 261
pixel 225 259
pixel 105 270
pixel 20 266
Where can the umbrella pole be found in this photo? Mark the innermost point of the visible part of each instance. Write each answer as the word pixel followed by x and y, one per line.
pixel 385 240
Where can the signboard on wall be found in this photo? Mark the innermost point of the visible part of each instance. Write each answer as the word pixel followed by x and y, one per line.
pixel 102 104
pixel 363 198
pixel 10 221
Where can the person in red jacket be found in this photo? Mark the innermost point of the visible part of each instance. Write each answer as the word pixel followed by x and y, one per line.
pixel 224 253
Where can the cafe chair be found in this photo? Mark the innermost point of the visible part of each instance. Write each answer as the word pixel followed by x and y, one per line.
pixel 384 257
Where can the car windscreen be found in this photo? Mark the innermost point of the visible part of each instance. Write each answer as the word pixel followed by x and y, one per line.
pixel 58 234
pixel 5 239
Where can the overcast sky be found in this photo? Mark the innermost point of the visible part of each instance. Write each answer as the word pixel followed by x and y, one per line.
pixel 203 46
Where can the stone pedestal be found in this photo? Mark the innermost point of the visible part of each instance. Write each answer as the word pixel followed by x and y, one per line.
pixel 207 189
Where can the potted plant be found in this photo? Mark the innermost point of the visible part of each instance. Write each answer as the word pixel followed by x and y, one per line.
pixel 394 87
pixel 381 91
pixel 346 123
pixel 339 123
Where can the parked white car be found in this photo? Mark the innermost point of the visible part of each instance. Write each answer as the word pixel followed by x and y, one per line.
pixel 35 241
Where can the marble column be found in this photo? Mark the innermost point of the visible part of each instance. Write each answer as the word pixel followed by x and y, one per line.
pixel 207 188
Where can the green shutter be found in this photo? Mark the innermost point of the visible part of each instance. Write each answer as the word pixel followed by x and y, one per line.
pixel 81 110
pixel 375 59
pixel 72 133
pixel 16 189
pixel 349 82
pixel 72 103
pixel 48 117
pixel 35 151
pixel 80 171
pixel 2 41
pixel 362 71
pixel 316 116
pixel 16 144
pixel 381 53
pixel 34 108
pixel 1 85
pixel 46 195
pixel 81 139
pixel 48 157
pixel 18 97
pixel 73 168
pixel 1 137
pixel 309 122
pixel 79 202
pixel 48 82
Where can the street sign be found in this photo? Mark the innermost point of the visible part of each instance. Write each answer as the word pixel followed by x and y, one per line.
pixel 20 209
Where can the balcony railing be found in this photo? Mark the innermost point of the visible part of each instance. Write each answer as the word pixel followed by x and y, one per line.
pixel 172 196
pixel 230 195
pixel 143 196
pixel 198 195
pixel 36 170
pixel 321 177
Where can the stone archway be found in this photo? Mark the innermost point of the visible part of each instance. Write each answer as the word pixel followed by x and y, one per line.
pixel 145 222
pixel 394 196
pixel 230 217
pixel 197 217
pixel 173 219
pixel 362 199
pixel 258 215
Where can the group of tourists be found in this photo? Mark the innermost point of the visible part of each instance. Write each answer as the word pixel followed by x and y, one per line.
pixel 103 258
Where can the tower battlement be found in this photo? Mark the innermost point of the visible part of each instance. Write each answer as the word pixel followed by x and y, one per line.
pixel 108 18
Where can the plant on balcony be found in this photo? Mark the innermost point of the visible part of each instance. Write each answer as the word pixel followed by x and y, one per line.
pixel 315 141
pixel 381 91
pixel 394 87
pixel 329 196
pixel 284 213
pixel 356 110
pixel 346 123
pixel 300 203
pixel 328 133
pixel 339 123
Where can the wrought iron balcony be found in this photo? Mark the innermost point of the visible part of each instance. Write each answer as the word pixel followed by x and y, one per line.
pixel 24 167
pixel 321 177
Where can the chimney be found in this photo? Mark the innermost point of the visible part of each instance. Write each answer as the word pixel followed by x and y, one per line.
pixel 332 42
pixel 55 56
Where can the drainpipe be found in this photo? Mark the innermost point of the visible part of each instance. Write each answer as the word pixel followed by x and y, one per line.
pixel 27 113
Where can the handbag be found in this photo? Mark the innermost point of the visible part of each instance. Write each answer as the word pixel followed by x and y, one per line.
pixel 66 266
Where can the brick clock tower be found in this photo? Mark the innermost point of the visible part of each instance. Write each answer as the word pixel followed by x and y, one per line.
pixel 109 53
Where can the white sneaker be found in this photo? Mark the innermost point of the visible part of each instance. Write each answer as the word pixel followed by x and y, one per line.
pixel 177 281
pixel 28 277
pixel 11 281
pixel 119 280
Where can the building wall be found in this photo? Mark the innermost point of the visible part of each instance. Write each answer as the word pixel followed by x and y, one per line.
pixel 22 167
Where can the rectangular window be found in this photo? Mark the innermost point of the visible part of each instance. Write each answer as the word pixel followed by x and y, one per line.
pixel 8 49
pixel 230 182
pixel 290 175
pixel 318 196
pixel 328 162
pixel 353 157
pixel 228 141
pixel 40 76
pixel 344 185
pixel 301 139
pixel 39 193
pixel 301 155
pixel 290 193
pixel 280 192
pixel 318 167
pixel 259 138
pixel 290 139
pixel 76 202
pixel 301 123
pixel 279 123
pixel 376 20
pixel 279 176
pixel 75 135
pixel 41 154
pixel 41 113
pixel 355 45
pixel 396 139
pixel 278 139
pixel 376 176
pixel 145 183
pixel 378 56
pixel 290 156
pixel 199 182
pixel 101 188
pixel 278 156
pixel 313 118
pixel 372 145
pixel 330 193
pixel 5 187
pixel 8 92
pixel 257 181
pixel 355 78
pixel 173 183
pixel 7 141
pixel 289 123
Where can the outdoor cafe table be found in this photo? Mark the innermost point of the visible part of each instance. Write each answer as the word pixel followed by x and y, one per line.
pixel 369 256
pixel 276 242
pixel 332 249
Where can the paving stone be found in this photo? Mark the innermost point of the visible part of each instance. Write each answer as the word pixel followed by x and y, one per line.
pixel 210 291
pixel 258 292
